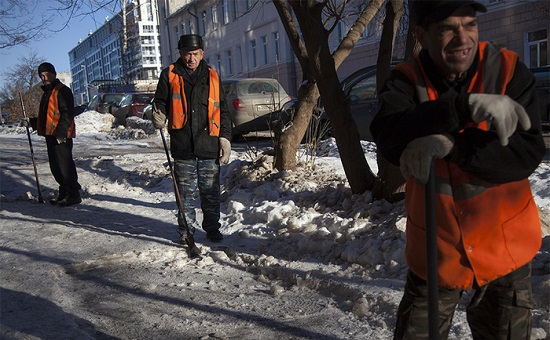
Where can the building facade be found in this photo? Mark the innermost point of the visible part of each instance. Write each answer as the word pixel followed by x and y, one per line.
pixel 123 55
pixel 245 38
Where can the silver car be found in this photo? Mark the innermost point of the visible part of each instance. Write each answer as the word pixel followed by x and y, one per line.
pixel 251 102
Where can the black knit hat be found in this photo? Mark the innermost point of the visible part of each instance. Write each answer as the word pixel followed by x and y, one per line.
pixel 426 12
pixel 46 67
pixel 190 42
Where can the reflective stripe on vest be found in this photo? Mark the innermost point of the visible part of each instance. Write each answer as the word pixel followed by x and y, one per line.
pixel 53 115
pixel 475 241
pixel 178 105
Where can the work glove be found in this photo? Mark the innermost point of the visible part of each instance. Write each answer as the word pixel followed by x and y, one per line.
pixel 225 150
pixel 61 140
pixel 417 157
pixel 502 110
pixel 158 118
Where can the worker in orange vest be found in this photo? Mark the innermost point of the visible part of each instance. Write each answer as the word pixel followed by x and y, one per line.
pixel 472 108
pixel 55 122
pixel 190 102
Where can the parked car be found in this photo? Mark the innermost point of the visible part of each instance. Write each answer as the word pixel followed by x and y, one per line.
pixel 542 76
pixel 148 110
pixel 131 105
pixel 80 108
pixel 104 102
pixel 251 101
pixel 360 91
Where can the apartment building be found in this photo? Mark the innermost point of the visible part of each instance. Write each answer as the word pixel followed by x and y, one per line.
pixel 123 55
pixel 245 38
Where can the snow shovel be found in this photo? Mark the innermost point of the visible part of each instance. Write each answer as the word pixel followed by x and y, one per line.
pixel 40 200
pixel 431 254
pixel 194 251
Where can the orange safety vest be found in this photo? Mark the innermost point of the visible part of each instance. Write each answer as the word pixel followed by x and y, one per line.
pixel 484 230
pixel 178 104
pixel 52 117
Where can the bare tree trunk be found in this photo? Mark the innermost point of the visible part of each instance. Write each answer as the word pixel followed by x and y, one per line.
pixel 319 69
pixel 357 170
pixel 390 184
pixel 287 142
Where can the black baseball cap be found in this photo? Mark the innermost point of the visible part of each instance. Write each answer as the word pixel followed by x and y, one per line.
pixel 426 12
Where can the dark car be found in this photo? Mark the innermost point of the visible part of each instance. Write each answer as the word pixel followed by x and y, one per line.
pixel 542 76
pixel 105 102
pixel 131 105
pixel 360 91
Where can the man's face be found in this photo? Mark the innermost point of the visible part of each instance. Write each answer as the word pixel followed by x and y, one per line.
pixel 47 78
pixel 452 43
pixel 191 59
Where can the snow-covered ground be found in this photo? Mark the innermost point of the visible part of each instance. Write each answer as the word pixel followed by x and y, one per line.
pixel 302 257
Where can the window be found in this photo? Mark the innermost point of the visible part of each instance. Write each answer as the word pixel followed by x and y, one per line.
pixel 253 61
pixel 264 47
pixel 229 63
pixel 189 27
pixel 225 11
pixel 276 46
pixel 341 30
pixel 214 13
pixel 366 31
pixel 537 43
pixel 234 7
pixel 176 34
pixel 239 60
pixel 218 63
pixel 202 27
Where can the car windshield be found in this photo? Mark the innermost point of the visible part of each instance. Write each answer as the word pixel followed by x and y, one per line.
pixel 257 87
pixel 112 98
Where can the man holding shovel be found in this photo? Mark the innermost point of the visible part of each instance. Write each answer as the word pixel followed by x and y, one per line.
pixel 471 109
pixel 55 122
pixel 190 98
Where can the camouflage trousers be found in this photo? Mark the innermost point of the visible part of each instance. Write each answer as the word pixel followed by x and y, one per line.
pixel 498 310
pixel 204 174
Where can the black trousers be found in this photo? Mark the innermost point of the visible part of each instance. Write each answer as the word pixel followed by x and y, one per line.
pixel 62 165
pixel 500 310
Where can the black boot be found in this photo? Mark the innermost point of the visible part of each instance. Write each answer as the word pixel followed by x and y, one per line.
pixel 69 200
pixel 60 197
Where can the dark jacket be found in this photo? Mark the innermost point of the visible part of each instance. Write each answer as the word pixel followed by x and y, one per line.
pixel 66 108
pixel 193 140
pixel 401 119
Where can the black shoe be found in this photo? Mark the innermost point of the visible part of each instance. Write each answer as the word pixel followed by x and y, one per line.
pixel 215 236
pixel 56 200
pixel 69 200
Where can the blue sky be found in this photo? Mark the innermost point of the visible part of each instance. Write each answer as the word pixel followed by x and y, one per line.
pixel 56 46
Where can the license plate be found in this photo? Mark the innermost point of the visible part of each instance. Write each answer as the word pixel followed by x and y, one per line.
pixel 263 108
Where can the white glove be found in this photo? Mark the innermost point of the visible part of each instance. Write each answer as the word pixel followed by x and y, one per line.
pixel 158 118
pixel 417 157
pixel 61 140
pixel 225 150
pixel 504 111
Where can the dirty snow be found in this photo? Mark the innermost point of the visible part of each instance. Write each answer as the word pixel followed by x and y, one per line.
pixel 302 257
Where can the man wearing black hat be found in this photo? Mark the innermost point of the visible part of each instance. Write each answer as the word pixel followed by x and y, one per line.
pixel 55 122
pixel 472 111
pixel 189 96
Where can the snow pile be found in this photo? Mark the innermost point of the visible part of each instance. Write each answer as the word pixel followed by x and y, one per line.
pixel 302 257
pixel 91 122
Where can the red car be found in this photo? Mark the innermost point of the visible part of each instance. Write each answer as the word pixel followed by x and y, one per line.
pixel 132 105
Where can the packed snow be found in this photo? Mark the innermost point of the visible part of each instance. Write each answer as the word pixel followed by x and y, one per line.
pixel 302 258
